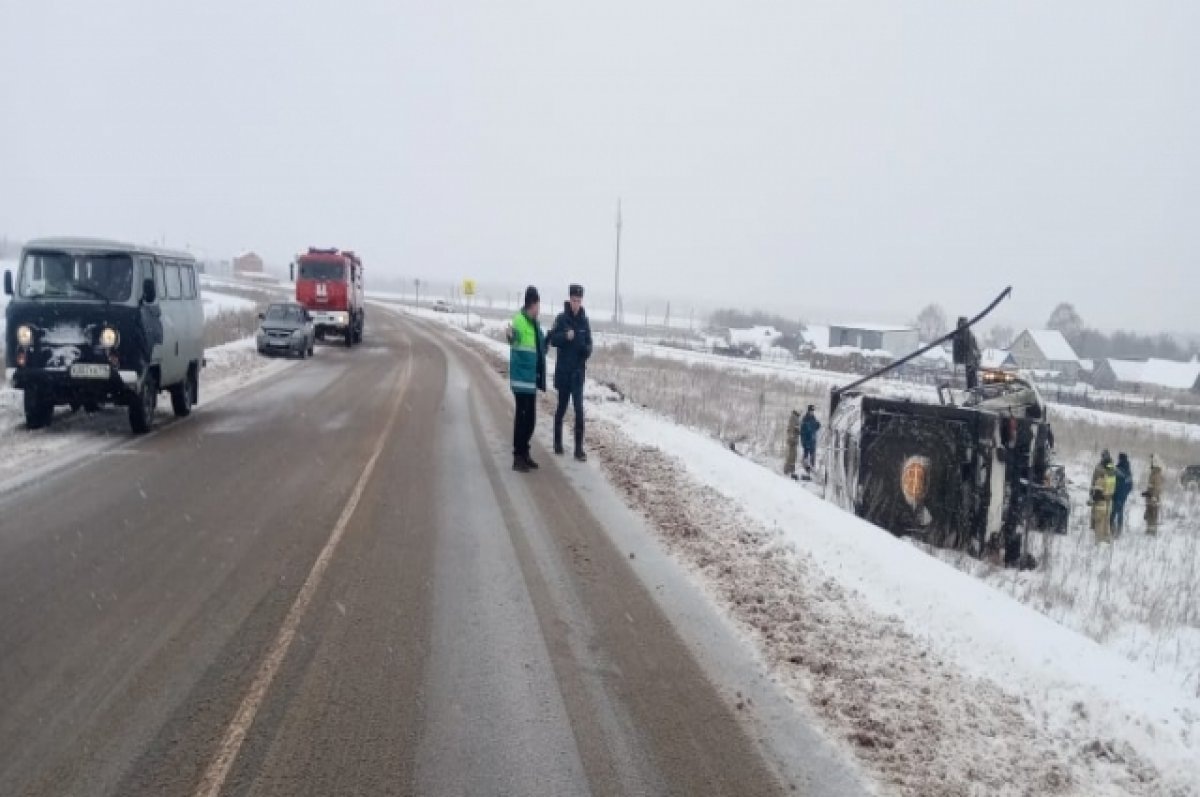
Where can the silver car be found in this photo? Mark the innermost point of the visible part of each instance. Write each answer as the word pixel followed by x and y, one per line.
pixel 286 328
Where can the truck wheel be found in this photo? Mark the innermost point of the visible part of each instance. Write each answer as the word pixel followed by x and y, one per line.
pixel 142 405
pixel 183 395
pixel 39 408
pixel 349 337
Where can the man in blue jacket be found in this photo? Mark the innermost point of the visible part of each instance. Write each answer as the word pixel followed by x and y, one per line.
pixel 809 427
pixel 526 375
pixel 572 336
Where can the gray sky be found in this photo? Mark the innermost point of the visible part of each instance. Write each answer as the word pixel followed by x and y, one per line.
pixel 841 160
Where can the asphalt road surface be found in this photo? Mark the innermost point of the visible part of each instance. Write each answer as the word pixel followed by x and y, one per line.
pixel 331 583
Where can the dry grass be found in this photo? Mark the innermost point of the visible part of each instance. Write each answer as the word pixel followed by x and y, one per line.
pixel 229 325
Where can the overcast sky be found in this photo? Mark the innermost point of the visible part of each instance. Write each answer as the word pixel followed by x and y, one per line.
pixel 836 159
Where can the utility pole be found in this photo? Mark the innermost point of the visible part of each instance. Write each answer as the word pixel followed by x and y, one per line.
pixel 667 321
pixel 617 278
pixel 417 294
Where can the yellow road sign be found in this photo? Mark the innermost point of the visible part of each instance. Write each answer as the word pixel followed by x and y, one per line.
pixel 468 287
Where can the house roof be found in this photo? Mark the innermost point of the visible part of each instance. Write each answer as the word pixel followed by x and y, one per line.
pixel 1053 345
pixel 1126 370
pixel 1170 374
pixel 1086 364
pixel 995 358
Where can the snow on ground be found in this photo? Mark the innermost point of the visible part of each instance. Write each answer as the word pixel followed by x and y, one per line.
pixel 216 303
pixel 73 435
pixel 1139 596
pixel 938 681
pixel 5 265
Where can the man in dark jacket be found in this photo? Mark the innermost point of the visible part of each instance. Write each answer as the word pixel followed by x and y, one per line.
pixel 1121 493
pixel 572 336
pixel 808 438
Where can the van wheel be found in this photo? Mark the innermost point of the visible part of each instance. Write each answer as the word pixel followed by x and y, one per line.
pixel 39 408
pixel 183 395
pixel 143 404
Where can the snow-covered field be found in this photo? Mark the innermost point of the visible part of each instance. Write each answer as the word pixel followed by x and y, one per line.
pixel 938 681
pixel 216 303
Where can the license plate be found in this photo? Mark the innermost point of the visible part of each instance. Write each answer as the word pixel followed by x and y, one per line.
pixel 279 343
pixel 91 371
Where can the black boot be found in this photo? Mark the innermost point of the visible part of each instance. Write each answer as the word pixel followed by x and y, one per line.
pixel 520 465
pixel 530 464
pixel 558 446
pixel 579 452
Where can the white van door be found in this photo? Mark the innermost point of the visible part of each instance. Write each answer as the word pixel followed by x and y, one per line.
pixel 172 367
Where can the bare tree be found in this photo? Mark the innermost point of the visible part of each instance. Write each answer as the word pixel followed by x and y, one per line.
pixel 999 336
pixel 931 322
pixel 1065 319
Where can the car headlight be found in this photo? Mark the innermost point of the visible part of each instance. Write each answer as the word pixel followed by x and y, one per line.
pixel 24 335
pixel 298 333
pixel 109 337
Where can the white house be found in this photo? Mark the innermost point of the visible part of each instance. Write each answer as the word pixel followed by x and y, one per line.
pixel 1153 375
pixel 816 335
pixel 760 337
pixel 1045 350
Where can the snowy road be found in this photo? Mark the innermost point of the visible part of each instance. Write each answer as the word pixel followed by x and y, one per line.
pixel 331 583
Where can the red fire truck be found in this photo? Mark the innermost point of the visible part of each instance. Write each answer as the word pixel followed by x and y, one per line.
pixel 329 282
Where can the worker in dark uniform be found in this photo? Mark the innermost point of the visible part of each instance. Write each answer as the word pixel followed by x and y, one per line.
pixel 572 336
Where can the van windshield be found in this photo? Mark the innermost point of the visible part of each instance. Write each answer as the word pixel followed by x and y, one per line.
pixel 319 270
pixel 68 275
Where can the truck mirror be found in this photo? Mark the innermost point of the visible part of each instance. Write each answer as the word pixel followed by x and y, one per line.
pixel 8 288
pixel 291 272
pixel 149 294
pixel 262 316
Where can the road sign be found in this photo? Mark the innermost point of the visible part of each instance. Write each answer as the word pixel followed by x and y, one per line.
pixel 468 287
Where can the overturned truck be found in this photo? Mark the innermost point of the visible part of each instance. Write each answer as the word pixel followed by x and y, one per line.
pixel 973 472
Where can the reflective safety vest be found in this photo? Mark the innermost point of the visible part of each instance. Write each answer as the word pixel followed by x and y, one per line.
pixel 524 354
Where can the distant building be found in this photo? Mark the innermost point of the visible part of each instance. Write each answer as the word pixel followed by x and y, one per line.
pixel 997 360
pixel 759 337
pixel 816 335
pixel 1046 351
pixel 247 263
pixel 896 340
pixel 1148 376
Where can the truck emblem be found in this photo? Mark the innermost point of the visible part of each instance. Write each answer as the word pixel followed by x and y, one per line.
pixel 914 480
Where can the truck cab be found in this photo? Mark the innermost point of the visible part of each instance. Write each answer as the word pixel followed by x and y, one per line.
pixel 329 284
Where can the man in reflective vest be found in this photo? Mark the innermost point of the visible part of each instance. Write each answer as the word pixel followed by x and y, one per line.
pixel 526 376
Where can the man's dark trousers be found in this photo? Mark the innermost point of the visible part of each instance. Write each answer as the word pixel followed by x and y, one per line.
pixel 524 421
pixel 573 393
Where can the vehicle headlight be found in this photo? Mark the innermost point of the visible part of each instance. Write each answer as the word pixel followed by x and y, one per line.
pixel 109 337
pixel 24 335
pixel 298 333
